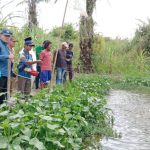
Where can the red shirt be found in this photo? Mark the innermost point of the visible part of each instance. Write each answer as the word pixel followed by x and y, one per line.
pixel 45 56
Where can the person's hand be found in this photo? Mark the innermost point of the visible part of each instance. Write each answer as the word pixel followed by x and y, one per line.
pixel 27 69
pixel 11 56
pixel 38 61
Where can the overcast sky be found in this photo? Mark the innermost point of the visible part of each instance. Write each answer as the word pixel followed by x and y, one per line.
pixel 112 17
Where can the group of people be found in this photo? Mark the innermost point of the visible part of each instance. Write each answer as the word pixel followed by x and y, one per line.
pixel 61 60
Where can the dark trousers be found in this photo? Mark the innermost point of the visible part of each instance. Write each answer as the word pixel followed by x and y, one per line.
pixel 3 89
pixel 70 71
pixel 38 68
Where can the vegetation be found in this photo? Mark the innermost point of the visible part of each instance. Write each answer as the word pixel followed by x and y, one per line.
pixel 54 120
pixel 61 119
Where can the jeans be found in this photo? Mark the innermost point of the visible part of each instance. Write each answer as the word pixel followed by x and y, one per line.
pixel 60 75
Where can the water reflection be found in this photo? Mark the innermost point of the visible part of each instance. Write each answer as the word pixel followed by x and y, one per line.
pixel 132 120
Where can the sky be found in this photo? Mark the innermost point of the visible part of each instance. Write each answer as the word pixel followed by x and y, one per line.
pixel 113 18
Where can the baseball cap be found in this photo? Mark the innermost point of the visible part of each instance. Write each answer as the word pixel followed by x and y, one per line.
pixel 6 32
pixel 28 41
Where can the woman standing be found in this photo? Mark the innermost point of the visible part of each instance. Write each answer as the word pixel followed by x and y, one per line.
pixel 45 57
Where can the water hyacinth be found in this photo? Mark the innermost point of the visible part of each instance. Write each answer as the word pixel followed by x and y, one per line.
pixel 61 119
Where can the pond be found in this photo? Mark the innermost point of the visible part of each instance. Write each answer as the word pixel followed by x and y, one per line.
pixel 132 121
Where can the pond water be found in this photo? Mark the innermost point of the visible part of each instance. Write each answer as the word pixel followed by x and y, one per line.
pixel 132 121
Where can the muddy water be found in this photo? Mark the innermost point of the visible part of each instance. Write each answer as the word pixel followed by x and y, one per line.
pixel 132 120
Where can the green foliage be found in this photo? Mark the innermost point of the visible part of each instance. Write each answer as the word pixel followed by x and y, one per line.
pixel 138 84
pixel 67 33
pixel 57 120
pixel 118 57
pixel 98 48
pixel 141 40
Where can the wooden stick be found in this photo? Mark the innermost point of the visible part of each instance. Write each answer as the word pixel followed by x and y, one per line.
pixel 8 79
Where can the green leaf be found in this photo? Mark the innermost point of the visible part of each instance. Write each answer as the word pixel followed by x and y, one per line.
pixel 14 125
pixel 27 132
pixel 24 137
pixel 36 143
pixel 3 142
pixel 18 115
pixel 17 147
pixel 39 109
pixel 52 127
pixel 57 143
pixel 61 131
pixel 48 118
pixel 17 141
pixel 65 110
pixel 4 113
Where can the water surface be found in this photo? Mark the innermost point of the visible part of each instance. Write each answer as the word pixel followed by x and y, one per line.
pixel 132 120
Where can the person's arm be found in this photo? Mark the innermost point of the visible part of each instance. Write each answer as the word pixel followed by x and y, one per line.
pixel 4 57
pixel 23 59
pixel 31 62
pixel 41 56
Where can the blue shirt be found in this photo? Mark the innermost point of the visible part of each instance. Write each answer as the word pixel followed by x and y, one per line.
pixel 28 57
pixel 4 57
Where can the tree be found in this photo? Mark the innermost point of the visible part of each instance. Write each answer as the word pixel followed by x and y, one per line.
pixel 32 14
pixel 67 33
pixel 86 36
pixel 141 40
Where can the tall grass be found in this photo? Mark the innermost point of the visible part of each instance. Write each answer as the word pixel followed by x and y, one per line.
pixel 116 57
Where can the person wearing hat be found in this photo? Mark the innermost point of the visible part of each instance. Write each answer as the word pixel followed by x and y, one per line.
pixel 5 56
pixel 25 67
pixel 61 65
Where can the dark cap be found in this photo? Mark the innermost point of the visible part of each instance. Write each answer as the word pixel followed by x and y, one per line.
pixel 28 41
pixel 6 32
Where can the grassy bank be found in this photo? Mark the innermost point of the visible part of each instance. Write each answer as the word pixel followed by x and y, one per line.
pixel 138 84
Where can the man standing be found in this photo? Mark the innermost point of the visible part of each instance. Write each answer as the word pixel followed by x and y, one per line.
pixel 38 67
pixel 25 67
pixel 69 55
pixel 61 64
pixel 5 57
pixel 11 45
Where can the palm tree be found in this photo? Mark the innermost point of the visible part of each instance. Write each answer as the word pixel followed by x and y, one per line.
pixel 86 36
pixel 32 14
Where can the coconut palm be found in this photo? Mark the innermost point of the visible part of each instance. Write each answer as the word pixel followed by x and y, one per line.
pixel 32 11
pixel 86 36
